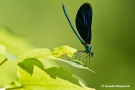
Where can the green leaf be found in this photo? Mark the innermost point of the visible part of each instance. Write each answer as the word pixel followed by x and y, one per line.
pixel 65 49
pixel 77 64
pixel 63 74
pixel 37 53
pixel 57 52
pixel 46 53
pixel 54 72
pixel 28 64
pixel 13 84
pixel 40 80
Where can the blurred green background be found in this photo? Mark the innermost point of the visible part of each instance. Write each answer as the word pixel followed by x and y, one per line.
pixel 44 24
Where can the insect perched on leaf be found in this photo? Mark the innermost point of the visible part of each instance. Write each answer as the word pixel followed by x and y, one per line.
pixel 83 25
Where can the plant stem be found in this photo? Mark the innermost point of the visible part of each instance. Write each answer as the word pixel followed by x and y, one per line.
pixel 3 61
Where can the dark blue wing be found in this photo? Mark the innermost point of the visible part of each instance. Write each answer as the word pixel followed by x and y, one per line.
pixel 83 22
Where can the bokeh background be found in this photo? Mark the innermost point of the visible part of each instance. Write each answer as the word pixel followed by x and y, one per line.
pixel 43 23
